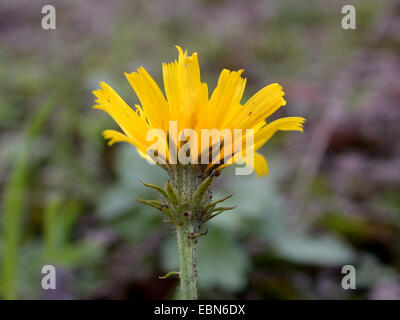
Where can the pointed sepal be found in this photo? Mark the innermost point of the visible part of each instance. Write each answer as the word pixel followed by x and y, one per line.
pixel 155 187
pixel 153 203
pixel 217 211
pixel 172 196
pixel 201 191
pixel 212 205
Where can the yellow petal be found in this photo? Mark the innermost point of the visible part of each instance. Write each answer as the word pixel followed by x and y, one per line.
pixel 260 106
pixel 185 92
pixel 129 121
pixel 153 102
pixel 225 100
pixel 284 124
pixel 115 136
pixel 260 164
pixel 172 89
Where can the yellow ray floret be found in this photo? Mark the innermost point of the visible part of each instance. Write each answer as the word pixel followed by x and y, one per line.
pixel 187 103
pixel 260 165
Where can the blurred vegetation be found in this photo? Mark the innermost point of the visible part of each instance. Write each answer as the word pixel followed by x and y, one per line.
pixel 69 200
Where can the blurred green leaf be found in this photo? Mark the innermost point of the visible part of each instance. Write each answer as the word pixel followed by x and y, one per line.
pixel 14 199
pixel 321 251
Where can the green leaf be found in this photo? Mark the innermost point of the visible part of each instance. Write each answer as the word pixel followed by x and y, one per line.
pixel 323 250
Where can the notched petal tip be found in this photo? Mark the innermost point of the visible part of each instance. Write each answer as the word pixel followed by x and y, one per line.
pixel 99 107
pixel 262 174
pixel 104 86
pixel 140 70
pixel 274 85
pixel 115 136
pixel 179 48
pixel 131 74
pixel 301 123
pixel 182 55
pixel 98 93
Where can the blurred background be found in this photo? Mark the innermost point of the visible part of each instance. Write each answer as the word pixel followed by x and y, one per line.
pixel 333 194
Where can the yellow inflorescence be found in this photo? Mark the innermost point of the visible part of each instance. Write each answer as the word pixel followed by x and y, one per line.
pixel 187 102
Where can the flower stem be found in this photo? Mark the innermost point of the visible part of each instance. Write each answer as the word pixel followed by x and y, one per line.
pixel 187 204
pixel 187 262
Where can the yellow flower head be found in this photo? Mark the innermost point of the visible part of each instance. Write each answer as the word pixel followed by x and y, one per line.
pixel 187 105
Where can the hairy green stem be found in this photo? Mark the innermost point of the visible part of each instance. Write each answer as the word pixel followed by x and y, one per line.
pixel 187 263
pixel 187 204
pixel 186 181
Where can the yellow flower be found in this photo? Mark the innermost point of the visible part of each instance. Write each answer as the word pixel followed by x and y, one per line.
pixel 187 102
